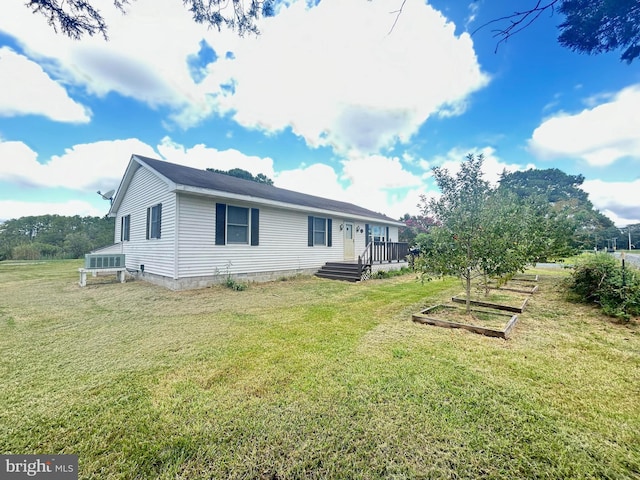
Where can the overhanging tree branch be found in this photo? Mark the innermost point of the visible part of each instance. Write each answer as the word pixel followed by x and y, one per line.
pixel 75 18
pixel 398 13
pixel 517 21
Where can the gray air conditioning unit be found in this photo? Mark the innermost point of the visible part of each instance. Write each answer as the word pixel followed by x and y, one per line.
pixel 103 260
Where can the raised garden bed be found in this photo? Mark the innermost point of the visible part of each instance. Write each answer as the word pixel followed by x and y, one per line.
pixel 525 277
pixel 517 287
pixel 499 300
pixel 491 324
pixel 517 284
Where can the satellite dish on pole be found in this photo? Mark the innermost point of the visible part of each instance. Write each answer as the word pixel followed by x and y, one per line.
pixel 108 195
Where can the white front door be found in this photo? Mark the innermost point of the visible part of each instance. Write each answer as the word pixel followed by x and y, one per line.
pixel 349 242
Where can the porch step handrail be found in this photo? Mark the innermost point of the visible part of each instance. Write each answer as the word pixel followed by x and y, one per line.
pixel 364 259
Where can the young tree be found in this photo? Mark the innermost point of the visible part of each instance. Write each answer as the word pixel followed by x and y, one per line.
pixel 482 230
pixel 515 235
pixel 456 243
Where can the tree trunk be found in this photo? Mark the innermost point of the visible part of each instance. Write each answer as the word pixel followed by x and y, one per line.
pixel 468 300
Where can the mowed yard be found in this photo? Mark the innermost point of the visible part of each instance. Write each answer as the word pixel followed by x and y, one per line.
pixel 309 378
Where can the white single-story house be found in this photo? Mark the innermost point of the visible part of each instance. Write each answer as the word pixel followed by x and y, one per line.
pixel 182 228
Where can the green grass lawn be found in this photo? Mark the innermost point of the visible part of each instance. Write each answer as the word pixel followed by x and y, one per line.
pixel 309 378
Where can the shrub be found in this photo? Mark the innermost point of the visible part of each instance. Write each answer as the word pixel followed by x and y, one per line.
pixel 381 274
pixel 601 279
pixel 234 285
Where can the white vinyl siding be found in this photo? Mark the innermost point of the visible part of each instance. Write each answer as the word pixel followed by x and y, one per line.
pixel 283 242
pixel 147 190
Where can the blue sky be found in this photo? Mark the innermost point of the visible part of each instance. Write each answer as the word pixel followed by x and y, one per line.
pixel 326 101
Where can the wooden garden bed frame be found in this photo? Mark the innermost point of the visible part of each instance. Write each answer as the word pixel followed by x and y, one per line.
pixel 427 316
pixel 528 291
pixel 525 277
pixel 497 306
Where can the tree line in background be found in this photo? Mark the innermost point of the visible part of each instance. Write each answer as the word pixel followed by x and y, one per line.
pixel 53 236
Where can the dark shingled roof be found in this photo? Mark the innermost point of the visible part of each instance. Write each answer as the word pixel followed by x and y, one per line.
pixel 194 177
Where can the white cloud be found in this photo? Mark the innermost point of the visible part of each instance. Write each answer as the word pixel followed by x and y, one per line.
pixel 27 89
pixel 375 182
pixel 203 157
pixel 86 167
pixel 336 76
pixel 600 135
pixel 618 200
pixel 332 73
pixel 377 172
pixel 318 179
pixel 83 167
pixel 143 58
pixel 473 9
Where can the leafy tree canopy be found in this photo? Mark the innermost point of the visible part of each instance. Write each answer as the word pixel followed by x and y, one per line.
pixel 240 173
pixel 572 221
pixel 553 184
pixel 596 26
pixel 414 226
pixel 589 26
pixel 75 18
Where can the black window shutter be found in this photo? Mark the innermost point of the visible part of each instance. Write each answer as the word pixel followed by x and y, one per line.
pixel 255 226
pixel 148 222
pixel 310 230
pixel 367 233
pixel 221 220
pixel 387 237
pixel 159 220
pixel 121 229
pixel 329 225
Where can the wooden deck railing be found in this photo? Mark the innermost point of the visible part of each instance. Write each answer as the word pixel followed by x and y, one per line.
pixel 383 252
